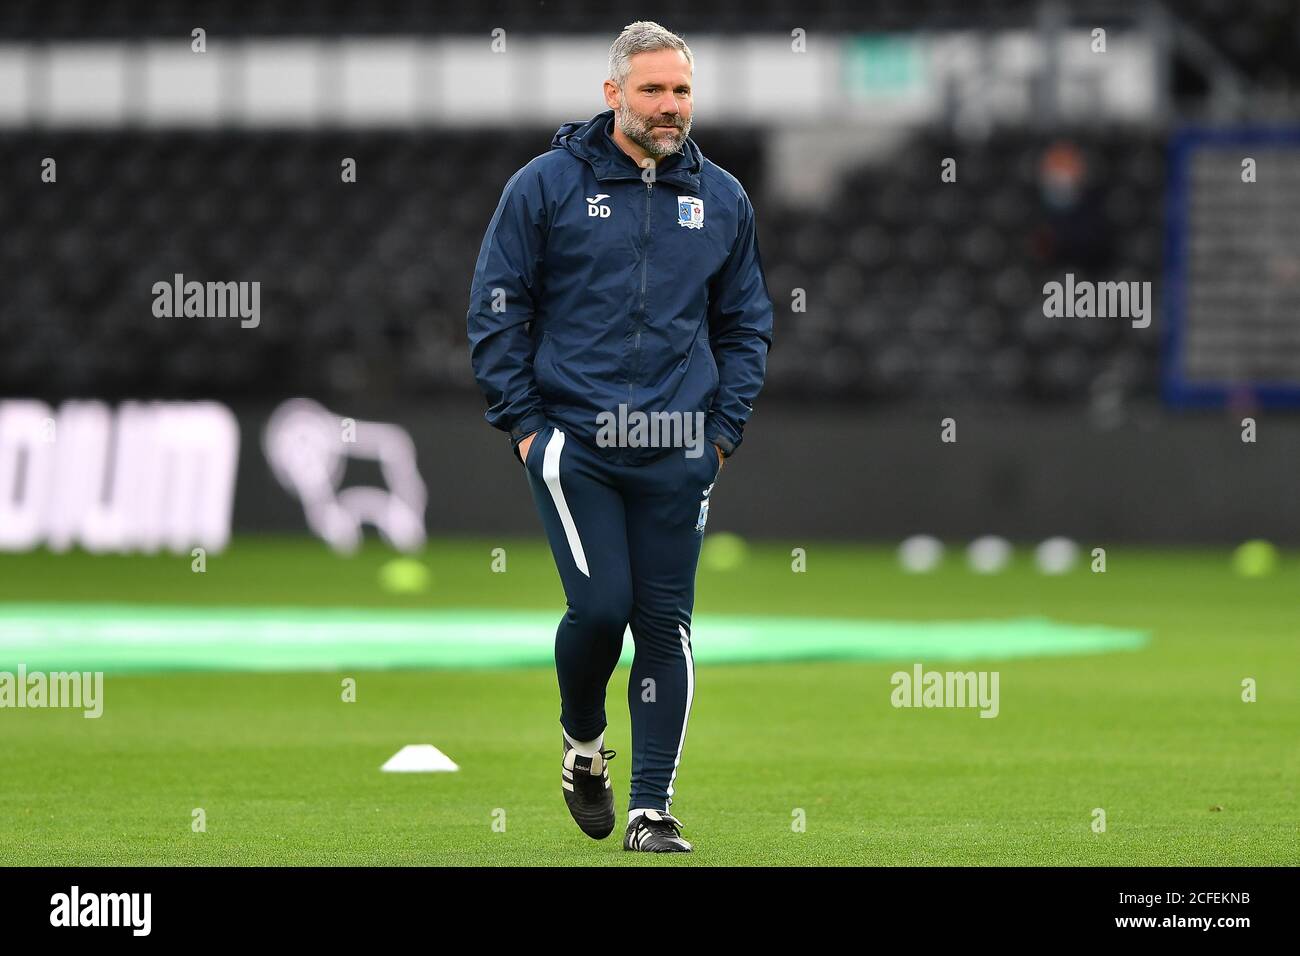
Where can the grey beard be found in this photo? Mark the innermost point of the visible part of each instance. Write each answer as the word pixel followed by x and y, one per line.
pixel 639 132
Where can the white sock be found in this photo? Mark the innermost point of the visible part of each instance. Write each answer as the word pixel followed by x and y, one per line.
pixel 585 748
pixel 633 814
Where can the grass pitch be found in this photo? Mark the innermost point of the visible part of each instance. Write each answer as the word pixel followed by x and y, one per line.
pixel 287 773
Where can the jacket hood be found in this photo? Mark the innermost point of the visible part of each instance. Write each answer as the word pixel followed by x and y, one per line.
pixel 592 141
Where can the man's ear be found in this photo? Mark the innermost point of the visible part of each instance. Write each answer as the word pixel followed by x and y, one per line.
pixel 611 95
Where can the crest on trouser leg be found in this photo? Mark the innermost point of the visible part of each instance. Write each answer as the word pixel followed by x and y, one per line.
pixel 704 510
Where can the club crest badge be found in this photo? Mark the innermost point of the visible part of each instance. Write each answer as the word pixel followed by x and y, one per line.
pixel 704 510
pixel 690 212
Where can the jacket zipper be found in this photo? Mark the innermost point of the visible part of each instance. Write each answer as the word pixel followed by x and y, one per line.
pixel 640 321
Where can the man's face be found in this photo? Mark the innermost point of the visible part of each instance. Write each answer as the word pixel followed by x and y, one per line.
pixel 653 108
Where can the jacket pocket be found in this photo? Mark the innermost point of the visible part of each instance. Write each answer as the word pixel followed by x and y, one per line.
pixel 715 463
pixel 541 438
pixel 704 355
pixel 713 368
pixel 543 370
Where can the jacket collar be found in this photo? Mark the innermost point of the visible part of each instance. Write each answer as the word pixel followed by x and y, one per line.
pixel 593 142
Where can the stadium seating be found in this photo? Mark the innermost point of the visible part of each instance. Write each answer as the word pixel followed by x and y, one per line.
pixel 914 288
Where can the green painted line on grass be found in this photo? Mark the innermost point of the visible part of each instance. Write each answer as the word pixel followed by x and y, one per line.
pixel 120 638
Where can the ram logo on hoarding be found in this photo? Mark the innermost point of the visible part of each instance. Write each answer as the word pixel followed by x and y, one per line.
pixel 308 447
pixel 152 475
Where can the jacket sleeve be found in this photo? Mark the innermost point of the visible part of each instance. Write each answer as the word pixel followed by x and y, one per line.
pixel 502 304
pixel 740 334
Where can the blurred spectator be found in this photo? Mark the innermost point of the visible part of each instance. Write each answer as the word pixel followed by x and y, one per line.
pixel 1071 232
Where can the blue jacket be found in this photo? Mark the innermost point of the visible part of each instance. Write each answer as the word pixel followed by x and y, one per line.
pixel 594 288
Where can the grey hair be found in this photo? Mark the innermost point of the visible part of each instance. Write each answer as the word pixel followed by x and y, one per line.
pixel 641 37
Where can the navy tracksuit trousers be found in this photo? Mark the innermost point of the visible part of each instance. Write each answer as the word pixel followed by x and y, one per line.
pixel 626 541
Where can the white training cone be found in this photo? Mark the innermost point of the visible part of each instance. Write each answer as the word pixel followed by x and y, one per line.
pixel 419 758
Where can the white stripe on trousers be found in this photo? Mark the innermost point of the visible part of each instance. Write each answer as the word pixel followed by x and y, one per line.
pixel 551 475
pixel 690 694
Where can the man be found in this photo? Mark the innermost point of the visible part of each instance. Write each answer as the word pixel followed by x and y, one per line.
pixel 620 282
